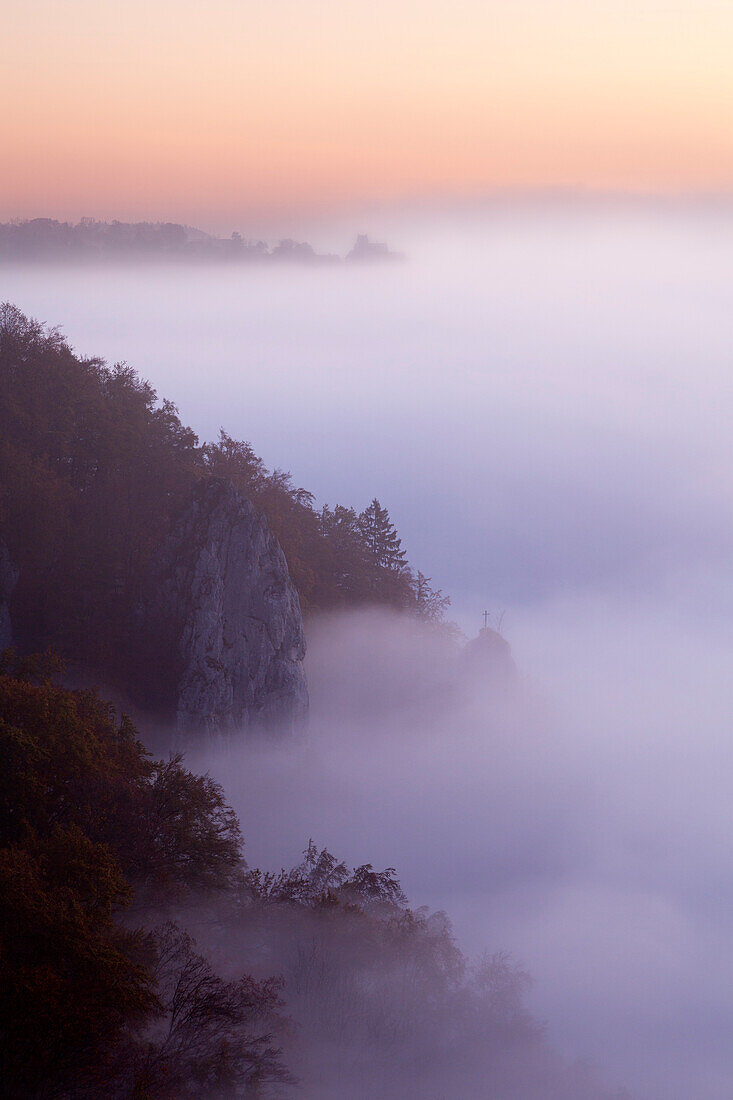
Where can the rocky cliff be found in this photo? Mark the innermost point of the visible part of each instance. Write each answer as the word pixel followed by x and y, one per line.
pixel 222 598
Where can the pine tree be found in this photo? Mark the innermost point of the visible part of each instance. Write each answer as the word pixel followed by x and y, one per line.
pixel 382 543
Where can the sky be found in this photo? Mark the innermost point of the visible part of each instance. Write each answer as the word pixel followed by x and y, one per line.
pixel 232 110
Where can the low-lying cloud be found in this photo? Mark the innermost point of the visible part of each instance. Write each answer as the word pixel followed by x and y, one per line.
pixel 580 819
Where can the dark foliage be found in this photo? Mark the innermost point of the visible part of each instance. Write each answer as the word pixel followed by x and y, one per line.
pixel 92 471
pixel 88 823
pixel 384 1001
pixel 213 1038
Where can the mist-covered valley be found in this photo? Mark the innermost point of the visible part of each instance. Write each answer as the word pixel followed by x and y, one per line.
pixel 541 398
pixel 578 821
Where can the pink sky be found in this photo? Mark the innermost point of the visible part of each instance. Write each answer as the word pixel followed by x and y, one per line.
pixel 205 111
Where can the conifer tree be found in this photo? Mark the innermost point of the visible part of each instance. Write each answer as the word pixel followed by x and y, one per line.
pixel 382 543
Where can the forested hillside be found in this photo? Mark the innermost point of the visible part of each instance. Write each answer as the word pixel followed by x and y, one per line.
pixel 47 239
pixel 141 957
pixel 94 471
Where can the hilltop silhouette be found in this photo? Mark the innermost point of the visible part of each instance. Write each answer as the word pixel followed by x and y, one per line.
pixel 88 239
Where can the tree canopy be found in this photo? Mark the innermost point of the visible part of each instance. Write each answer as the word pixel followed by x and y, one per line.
pixel 89 823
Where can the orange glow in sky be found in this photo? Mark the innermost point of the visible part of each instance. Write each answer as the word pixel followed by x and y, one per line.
pixel 198 111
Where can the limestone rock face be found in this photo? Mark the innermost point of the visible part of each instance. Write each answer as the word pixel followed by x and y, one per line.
pixel 8 580
pixel 232 614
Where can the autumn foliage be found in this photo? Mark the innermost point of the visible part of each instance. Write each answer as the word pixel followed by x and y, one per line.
pixel 89 823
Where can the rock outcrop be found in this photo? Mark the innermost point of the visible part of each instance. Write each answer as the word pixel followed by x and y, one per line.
pixel 490 656
pixel 8 580
pixel 223 600
pixel 365 250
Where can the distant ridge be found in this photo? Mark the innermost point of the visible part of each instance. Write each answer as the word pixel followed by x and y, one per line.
pixel 88 239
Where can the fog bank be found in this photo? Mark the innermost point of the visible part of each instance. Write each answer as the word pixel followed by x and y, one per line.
pixel 581 822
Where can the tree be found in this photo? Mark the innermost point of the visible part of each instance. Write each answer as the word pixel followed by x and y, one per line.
pixel 235 460
pixel 430 603
pixel 344 573
pixel 213 1037
pixel 322 870
pixel 73 978
pixel 191 842
pixel 87 823
pixel 369 887
pixel 382 543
